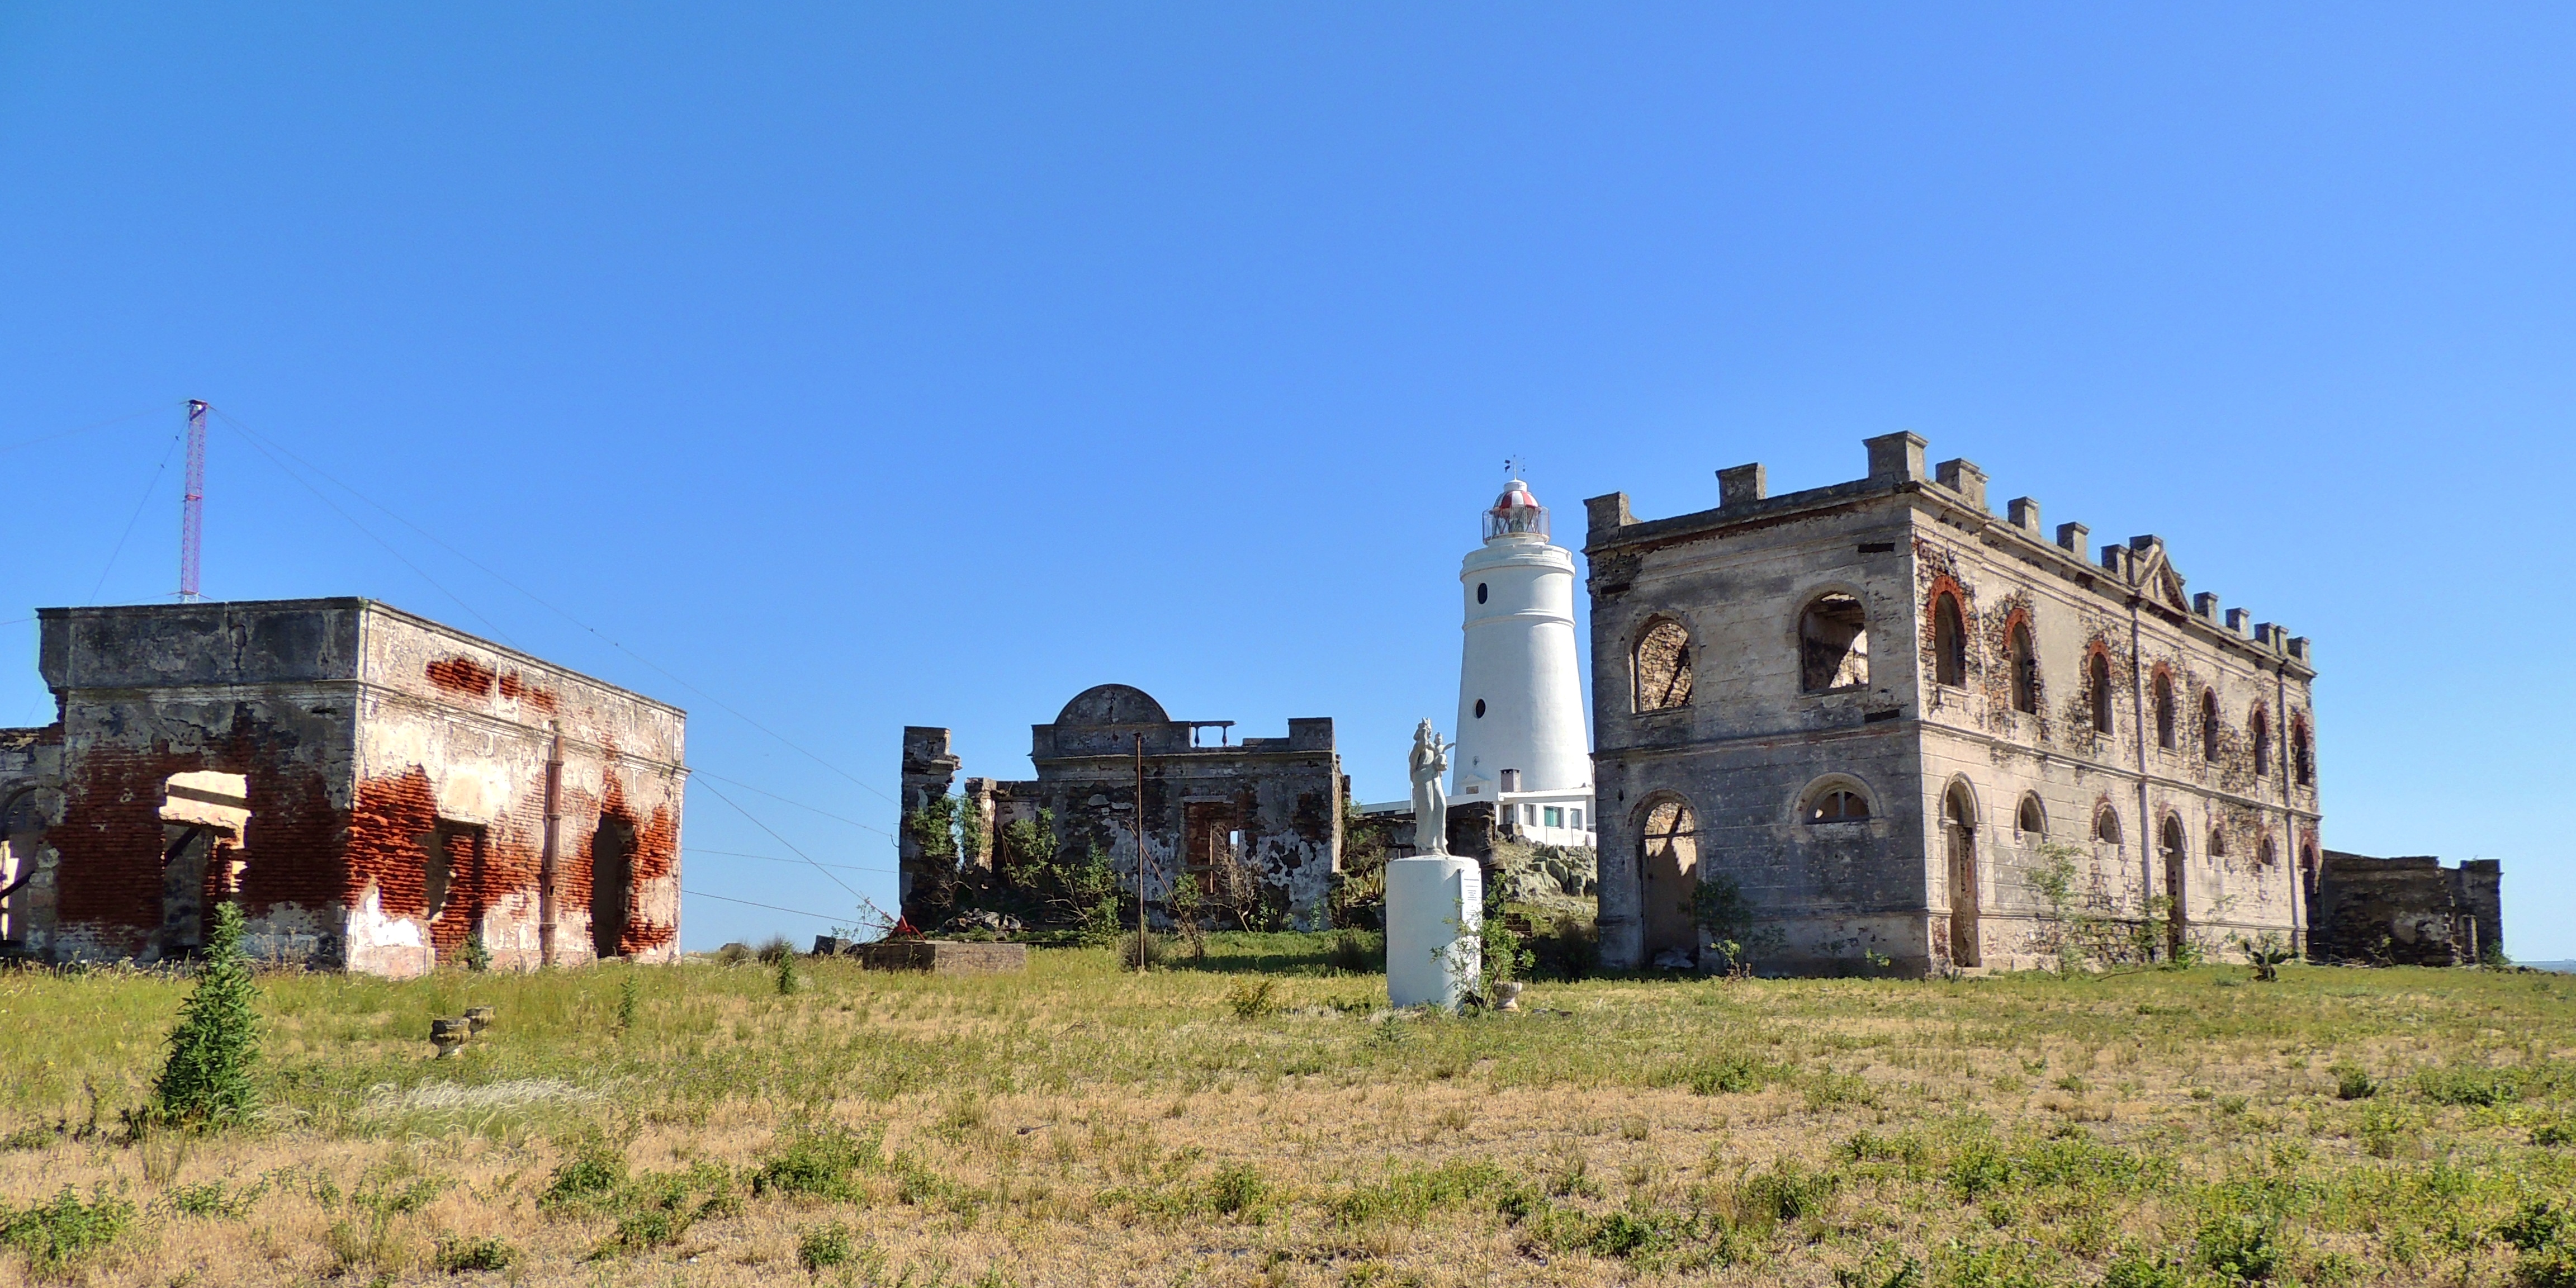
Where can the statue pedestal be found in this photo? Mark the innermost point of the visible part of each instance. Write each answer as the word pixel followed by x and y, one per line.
pixel 1435 908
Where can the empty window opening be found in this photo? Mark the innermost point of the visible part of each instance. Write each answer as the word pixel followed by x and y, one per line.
pixel 1212 841
pixel 2097 677
pixel 612 878
pixel 2025 668
pixel 2265 855
pixel 1663 667
pixel 2209 736
pixel 1668 865
pixel 21 829
pixel 1841 805
pixel 1480 708
pixel 2303 755
pixel 203 813
pixel 2106 825
pixel 2262 730
pixel 1949 642
pixel 2164 710
pixel 2308 873
pixel 1959 827
pixel 1833 644
pixel 1480 592
pixel 2218 842
pixel 2032 820
pixel 2176 892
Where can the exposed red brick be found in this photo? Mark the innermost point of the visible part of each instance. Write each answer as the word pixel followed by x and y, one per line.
pixel 462 675
pixel 516 688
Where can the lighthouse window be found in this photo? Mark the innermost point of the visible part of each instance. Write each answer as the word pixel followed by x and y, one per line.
pixel 1663 667
pixel 1480 708
pixel 1480 592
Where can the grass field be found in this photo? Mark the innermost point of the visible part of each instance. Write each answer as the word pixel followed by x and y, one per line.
pixel 1078 1125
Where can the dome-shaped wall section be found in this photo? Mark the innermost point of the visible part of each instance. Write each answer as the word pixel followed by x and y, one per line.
pixel 1112 704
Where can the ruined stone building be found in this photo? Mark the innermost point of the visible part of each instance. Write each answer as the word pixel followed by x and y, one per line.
pixel 1270 805
pixel 2408 911
pixel 1870 706
pixel 371 787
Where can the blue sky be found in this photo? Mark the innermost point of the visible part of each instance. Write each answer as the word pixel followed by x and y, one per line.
pixel 865 367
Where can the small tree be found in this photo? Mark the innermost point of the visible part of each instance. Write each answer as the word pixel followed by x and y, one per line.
pixel 1718 907
pixel 2053 880
pixel 207 1080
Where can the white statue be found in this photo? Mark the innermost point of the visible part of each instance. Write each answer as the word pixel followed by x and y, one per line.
pixel 1429 761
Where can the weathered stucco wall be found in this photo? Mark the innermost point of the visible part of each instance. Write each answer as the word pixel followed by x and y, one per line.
pixel 1903 816
pixel 2408 911
pixel 393 778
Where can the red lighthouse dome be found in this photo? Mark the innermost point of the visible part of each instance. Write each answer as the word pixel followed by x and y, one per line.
pixel 1516 513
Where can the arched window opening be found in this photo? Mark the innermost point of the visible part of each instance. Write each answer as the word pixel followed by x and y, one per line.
pixel 2097 677
pixel 2106 825
pixel 2265 854
pixel 1959 830
pixel 1663 667
pixel 2025 668
pixel 1840 805
pixel 2217 842
pixel 2164 710
pixel 21 828
pixel 2209 740
pixel 2308 873
pixel 2032 820
pixel 1668 867
pixel 2262 730
pixel 2175 890
pixel 2303 755
pixel 1833 644
pixel 1949 642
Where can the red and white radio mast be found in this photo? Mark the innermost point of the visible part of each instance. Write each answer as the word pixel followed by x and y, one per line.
pixel 192 505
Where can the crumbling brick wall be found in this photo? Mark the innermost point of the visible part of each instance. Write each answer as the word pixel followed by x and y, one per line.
pixel 395 782
pixel 2406 911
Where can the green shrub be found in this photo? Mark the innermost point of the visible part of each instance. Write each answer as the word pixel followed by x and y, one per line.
pixel 1142 949
pixel 1252 999
pixel 474 955
pixel 55 1234
pixel 824 1246
pixel 458 1254
pixel 630 1000
pixel 213 1200
pixel 786 978
pixel 1978 1168
pixel 1237 1189
pixel 2352 1082
pixel 1726 1075
pixel 207 1079
pixel 2551 1134
pixel 817 1162
pixel 2473 1085
pixel 1350 954
pixel 644 1228
pixel 2536 1225
pixel 594 1171
pixel 1408 1196
pixel 2134 1268
pixel 36 1137
pixel 1787 1192
pixel 2551 1267
pixel 2241 1248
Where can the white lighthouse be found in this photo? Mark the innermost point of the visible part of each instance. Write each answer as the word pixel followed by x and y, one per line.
pixel 1521 739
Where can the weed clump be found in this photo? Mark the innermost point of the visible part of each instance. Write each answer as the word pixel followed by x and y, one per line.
pixel 207 1080
pixel 214 1199
pixel 818 1163
pixel 1142 950
pixel 2476 1086
pixel 1252 999
pixel 1725 1075
pixel 595 1171
pixel 458 1254
pixel 824 1246
pixel 2352 1082
pixel 1237 1190
pixel 57 1233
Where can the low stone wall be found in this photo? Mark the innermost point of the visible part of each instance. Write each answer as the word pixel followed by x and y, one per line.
pixel 937 956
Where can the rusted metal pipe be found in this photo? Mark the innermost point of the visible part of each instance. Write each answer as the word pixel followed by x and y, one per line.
pixel 546 862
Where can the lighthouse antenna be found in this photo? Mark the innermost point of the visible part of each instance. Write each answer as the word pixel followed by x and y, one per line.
pixel 192 503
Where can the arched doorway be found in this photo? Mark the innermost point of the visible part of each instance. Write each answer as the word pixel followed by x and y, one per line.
pixel 1959 834
pixel 2177 923
pixel 1668 867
